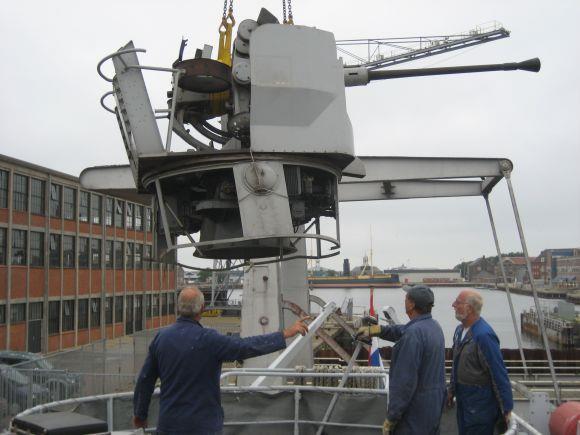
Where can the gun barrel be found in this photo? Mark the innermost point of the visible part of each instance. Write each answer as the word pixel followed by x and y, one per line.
pixel 532 65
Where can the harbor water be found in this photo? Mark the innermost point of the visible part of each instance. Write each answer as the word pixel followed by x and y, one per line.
pixel 495 309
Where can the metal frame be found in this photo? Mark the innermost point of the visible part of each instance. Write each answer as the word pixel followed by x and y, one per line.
pixel 175 74
pixel 444 44
pixel 284 359
pixel 409 177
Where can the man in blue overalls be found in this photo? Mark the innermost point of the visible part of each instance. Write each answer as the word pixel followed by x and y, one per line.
pixel 188 360
pixel 479 378
pixel 417 372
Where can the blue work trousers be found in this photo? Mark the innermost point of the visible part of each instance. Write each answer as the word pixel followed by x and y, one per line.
pixel 477 409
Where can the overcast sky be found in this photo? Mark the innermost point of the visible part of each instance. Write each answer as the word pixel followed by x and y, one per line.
pixel 50 113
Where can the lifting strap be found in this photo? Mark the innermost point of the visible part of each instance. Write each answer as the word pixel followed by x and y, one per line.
pixel 225 30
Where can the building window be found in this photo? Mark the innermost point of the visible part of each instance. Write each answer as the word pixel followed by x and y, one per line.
pixel 17 313
pixel 164 304
pixel 154 305
pixel 118 309
pixel 147 257
pixel 36 249
pixel 35 311
pixel 19 247
pixel 20 193
pixel 109 254
pixel 148 219
pixel 68 315
pixel 68 251
pixel 54 317
pixel 119 212
pixel 96 253
pixel 2 314
pixel 119 255
pixel 83 252
pixel 138 256
pixel 3 241
pixel 96 202
pixel 84 207
pixel 129 217
pixel 55 202
pixel 83 313
pixel 37 196
pixel 69 203
pixel 55 256
pixel 171 303
pixel 109 212
pixel 147 306
pixel 95 312
pixel 109 310
pixel 3 189
pixel 130 255
pixel 138 217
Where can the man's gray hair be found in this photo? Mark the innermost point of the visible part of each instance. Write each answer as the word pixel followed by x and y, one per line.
pixel 190 306
pixel 475 301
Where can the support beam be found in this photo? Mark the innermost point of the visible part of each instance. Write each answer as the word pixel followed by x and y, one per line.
pixel 381 190
pixel 422 168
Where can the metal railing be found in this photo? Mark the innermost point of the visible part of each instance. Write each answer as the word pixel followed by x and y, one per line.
pixel 115 406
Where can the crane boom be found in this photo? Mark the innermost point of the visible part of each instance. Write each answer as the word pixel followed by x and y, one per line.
pixel 414 48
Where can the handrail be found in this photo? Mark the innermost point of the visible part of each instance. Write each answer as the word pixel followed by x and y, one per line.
pixel 105 95
pixel 516 422
pixel 115 54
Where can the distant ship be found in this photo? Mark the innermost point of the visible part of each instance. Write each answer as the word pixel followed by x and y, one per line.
pixel 382 280
pixel 562 324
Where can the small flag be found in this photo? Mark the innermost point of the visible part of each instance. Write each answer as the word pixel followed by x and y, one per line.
pixel 375 359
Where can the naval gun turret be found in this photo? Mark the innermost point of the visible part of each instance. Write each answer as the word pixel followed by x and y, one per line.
pixel 273 166
pixel 263 179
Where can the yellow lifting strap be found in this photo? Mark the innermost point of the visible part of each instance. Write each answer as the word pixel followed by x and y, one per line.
pixel 225 44
pixel 218 100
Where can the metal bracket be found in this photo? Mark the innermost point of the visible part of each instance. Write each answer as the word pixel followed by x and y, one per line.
pixel 296 346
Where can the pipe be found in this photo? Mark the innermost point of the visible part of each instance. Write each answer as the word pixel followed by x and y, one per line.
pixel 534 291
pixel 509 296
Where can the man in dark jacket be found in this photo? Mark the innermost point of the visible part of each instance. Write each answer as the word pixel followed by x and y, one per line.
pixel 417 372
pixel 188 358
pixel 479 378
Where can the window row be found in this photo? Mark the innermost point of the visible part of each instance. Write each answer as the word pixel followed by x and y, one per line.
pixel 63 203
pixel 64 252
pixel 134 308
pixel 61 314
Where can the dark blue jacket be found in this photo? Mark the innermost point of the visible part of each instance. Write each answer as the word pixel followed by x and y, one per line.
pixel 483 336
pixel 188 358
pixel 417 375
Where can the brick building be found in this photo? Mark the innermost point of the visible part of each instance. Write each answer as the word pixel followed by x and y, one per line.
pixel 481 270
pixel 550 258
pixel 515 269
pixel 74 264
pixel 568 269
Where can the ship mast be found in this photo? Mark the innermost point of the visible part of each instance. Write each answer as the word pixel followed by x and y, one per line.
pixel 372 264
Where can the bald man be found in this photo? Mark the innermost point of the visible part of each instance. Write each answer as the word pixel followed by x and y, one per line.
pixel 479 378
pixel 188 359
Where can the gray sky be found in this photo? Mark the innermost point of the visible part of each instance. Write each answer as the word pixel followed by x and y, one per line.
pixel 50 113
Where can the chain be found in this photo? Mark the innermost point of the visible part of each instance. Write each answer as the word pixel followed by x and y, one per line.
pixel 226 8
pixel 290 18
pixel 284 11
